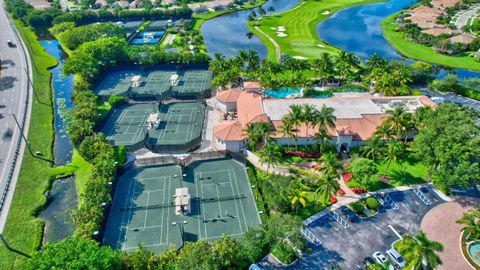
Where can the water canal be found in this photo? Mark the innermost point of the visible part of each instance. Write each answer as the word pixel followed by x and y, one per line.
pixel 62 99
pixel 227 34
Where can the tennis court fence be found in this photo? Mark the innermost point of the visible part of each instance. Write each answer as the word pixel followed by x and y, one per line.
pixel 170 159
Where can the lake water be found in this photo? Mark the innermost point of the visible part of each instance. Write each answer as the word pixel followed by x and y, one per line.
pixel 357 30
pixel 227 34
pixel 62 97
pixel 57 216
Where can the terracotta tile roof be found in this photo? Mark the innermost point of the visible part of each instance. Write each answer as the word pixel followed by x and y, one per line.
pixel 444 3
pixel 462 38
pixel 251 85
pixel 361 128
pixel 438 31
pixel 228 131
pixel 229 96
pixel 428 11
pixel 250 109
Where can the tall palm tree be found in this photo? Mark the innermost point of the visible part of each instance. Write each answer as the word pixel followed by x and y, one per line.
pixel 323 65
pixel 251 133
pixel 295 116
pixel 471 223
pixel 393 153
pixel 326 186
pixel 376 61
pixel 322 138
pixel 383 132
pixel 253 60
pixel 271 9
pixel 419 251
pixel 325 118
pixel 287 129
pixel 330 164
pixel 309 114
pixel 298 195
pixel 270 155
pixel 397 121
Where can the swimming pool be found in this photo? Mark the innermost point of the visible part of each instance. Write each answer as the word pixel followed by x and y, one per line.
pixel 141 41
pixel 474 252
pixel 281 92
pixel 155 34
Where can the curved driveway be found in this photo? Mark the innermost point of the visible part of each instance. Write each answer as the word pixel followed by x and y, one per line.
pixel 440 225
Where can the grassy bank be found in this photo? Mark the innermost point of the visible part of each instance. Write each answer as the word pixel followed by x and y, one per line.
pixel 416 51
pixel 23 230
pixel 199 19
pixel 300 23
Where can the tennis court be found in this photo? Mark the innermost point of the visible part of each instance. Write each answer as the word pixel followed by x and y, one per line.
pixel 155 83
pixel 180 127
pixel 144 212
pixel 127 124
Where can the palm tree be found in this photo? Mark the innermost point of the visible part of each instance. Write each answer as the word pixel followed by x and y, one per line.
pixel 419 251
pixel 330 164
pixel 383 132
pixel 392 154
pixel 298 195
pixel 253 59
pixel 322 138
pixel 325 118
pixel 397 122
pixel 271 9
pixel 323 65
pixel 471 222
pixel 309 114
pixel 376 61
pixel 270 155
pixel 249 35
pixel 251 133
pixel 261 11
pixel 326 186
pixel 295 115
pixel 372 148
pixel 287 129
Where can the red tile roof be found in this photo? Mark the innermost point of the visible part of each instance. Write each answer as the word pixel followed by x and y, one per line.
pixel 251 85
pixel 229 96
pixel 228 131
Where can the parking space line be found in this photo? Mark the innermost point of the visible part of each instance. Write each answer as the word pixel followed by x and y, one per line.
pixel 395 231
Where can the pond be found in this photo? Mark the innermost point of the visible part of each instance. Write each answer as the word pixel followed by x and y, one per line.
pixel 62 98
pixel 357 30
pixel 57 216
pixel 474 252
pixel 227 34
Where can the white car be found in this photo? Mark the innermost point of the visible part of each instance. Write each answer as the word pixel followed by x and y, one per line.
pixel 395 257
pixel 379 257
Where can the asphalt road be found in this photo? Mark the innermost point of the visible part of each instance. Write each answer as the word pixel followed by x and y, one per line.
pixel 13 99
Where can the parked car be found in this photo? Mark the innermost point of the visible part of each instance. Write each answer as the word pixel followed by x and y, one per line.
pixel 351 216
pixel 368 261
pixel 7 133
pixel 395 257
pixel 379 257
pixel 10 44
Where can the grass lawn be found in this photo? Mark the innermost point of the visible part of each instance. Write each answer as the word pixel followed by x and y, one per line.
pixel 300 23
pixel 416 51
pixel 408 172
pixel 198 19
pixel 23 230
pixel 78 167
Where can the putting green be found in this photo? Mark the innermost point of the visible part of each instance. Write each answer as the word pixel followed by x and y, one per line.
pixel 300 26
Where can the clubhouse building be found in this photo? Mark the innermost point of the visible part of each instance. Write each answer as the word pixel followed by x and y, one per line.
pixel 357 117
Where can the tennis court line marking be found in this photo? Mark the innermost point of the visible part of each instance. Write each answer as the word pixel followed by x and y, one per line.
pixel 235 201
pixel 146 211
pixel 241 205
pixel 144 227
pixel 129 200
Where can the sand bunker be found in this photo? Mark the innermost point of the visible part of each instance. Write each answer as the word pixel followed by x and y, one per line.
pixel 281 34
pixel 320 45
pixel 326 12
pixel 299 57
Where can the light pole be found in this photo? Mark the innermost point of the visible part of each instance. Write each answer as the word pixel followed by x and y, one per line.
pixel 182 231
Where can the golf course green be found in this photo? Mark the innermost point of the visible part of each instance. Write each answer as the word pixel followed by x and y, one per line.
pixel 300 23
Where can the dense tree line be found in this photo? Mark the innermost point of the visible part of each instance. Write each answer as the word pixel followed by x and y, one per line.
pixel 81 17
pixel 72 37
pixel 225 253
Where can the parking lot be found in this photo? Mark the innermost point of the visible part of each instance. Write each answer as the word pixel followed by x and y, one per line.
pixel 346 244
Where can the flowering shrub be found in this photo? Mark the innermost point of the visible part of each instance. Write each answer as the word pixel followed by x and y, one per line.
pixel 302 154
pixel 358 190
pixel 347 177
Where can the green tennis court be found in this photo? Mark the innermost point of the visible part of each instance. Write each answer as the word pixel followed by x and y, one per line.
pixel 126 125
pixel 181 125
pixel 143 210
pixel 155 83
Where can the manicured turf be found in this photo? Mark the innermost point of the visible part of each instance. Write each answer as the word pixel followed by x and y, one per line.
pixel 23 230
pixel 416 51
pixel 300 23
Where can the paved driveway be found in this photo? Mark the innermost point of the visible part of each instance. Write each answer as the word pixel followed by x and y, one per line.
pixel 346 248
pixel 440 225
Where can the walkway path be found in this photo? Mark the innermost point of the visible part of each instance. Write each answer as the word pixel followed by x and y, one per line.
pixel 277 47
pixel 440 225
